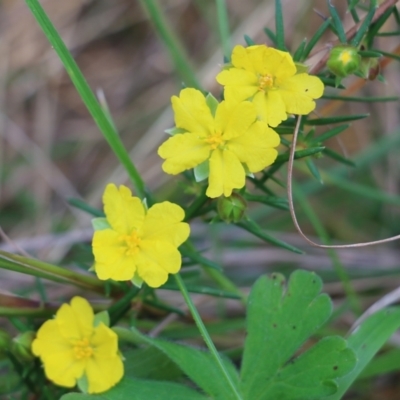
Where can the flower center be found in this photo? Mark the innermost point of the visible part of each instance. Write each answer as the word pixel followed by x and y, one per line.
pixel 132 243
pixel 345 56
pixel 215 140
pixel 265 82
pixel 82 349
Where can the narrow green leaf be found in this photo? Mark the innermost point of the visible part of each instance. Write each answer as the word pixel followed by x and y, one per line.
pixel 317 36
pixel 298 54
pixel 81 205
pixel 330 82
pixel 314 170
pixel 279 322
pixel 337 22
pixel 282 158
pixel 249 41
pixel 364 27
pixel 334 120
pixel 198 258
pixel 371 99
pixel 329 134
pixel 392 33
pixel 390 55
pixel 99 116
pixel 369 53
pixel 272 201
pixel 353 4
pixel 271 35
pixel 204 290
pixel 366 341
pixel 137 389
pixel 253 228
pixel 223 25
pixel 171 43
pixel 279 27
pixel 396 15
pixel 338 157
pixel 374 28
pixel 353 12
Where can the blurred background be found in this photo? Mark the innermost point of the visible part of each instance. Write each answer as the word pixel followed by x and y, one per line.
pixel 51 150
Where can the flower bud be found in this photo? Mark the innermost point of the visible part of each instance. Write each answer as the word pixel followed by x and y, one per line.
pixel 343 61
pixel 21 346
pixel 231 209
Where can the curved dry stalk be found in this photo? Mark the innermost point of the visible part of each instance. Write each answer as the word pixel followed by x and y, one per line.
pixel 293 213
pixel 387 300
pixel 8 240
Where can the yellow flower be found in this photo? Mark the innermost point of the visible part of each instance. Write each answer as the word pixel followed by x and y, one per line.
pixel 268 78
pixel 71 348
pixel 231 142
pixel 138 244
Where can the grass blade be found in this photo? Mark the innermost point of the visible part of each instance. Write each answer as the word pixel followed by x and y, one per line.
pixel 279 28
pixel 337 22
pixel 334 120
pixel 100 117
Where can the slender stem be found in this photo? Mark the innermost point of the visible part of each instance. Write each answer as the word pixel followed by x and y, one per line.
pixel 205 335
pixel 223 25
pixel 171 43
pixel 100 116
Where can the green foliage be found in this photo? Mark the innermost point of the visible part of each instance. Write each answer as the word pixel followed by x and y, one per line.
pixel 286 355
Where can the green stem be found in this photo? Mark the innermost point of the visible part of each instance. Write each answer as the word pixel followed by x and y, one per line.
pixel 171 43
pixel 99 114
pixel 206 336
pixel 51 272
pixel 119 308
pixel 223 24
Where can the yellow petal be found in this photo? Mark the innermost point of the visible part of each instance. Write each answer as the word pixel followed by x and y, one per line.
pixel 256 148
pixel 123 212
pixel 49 340
pixel 123 270
pixel 191 112
pixel 240 84
pixel 226 174
pixel 75 321
pixel 278 63
pixel 105 368
pixel 163 222
pixel 299 91
pixel 249 58
pixel 63 369
pixel 156 260
pixel 182 152
pixel 234 119
pixel 108 248
pixel 270 107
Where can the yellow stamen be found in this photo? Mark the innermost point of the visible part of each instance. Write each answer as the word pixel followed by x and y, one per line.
pixel 132 243
pixel 345 56
pixel 215 140
pixel 266 81
pixel 82 349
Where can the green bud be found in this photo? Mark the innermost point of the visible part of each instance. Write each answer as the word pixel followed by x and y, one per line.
pixel 231 209
pixel 343 61
pixel 21 346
